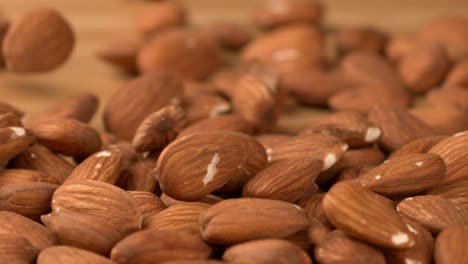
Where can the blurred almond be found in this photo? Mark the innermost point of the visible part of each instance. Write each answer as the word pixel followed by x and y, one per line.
pixel 199 106
pixel 4 24
pixel 7 108
pixel 208 199
pixel 399 46
pixel 228 34
pixel 9 120
pixel 121 54
pixel 65 255
pixel 360 38
pixel 156 17
pixel 444 120
pixel 14 176
pixel 13 141
pixel 451 245
pixel 458 75
pixel 448 97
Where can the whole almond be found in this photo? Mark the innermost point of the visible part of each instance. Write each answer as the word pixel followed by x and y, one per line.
pixel 155 246
pixel 360 38
pixel 458 75
pixel 181 51
pixel 121 54
pixel 66 254
pixel 365 215
pixel 102 166
pixel 266 251
pixel 450 246
pixel 133 102
pixel 13 141
pixel 433 212
pixel 230 122
pixel 39 41
pixel 405 175
pixel 16 249
pixel 148 203
pixel 160 16
pixel 17 176
pixel 237 220
pixel 456 192
pixel 421 145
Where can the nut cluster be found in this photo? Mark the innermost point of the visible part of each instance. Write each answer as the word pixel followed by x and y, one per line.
pixel 192 169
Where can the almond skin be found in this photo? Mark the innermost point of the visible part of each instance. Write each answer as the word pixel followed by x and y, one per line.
pixel 451 245
pixel 154 246
pixel 200 105
pixel 444 120
pixel 66 254
pixel 4 24
pixel 227 34
pixel 208 199
pixel 360 38
pixel 157 17
pixel 266 251
pixel 148 203
pixel 421 145
pixel 312 205
pixel 13 176
pixel 13 141
pixel 456 192
pixel 458 75
pixel 133 102
pixel 39 41
pixel 121 54
pixel 408 174
pixel 16 249
pixel 10 120
pixel 7 108
pixel 376 222
pixel 230 122
pixel 237 220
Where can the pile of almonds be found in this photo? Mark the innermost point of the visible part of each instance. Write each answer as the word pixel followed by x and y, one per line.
pixel 192 170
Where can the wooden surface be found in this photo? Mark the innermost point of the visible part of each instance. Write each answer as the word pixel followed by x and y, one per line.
pixel 98 21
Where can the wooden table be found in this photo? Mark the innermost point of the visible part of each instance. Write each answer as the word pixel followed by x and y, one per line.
pixel 97 21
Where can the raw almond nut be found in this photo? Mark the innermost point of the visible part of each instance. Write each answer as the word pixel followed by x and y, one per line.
pixel 444 120
pixel 433 212
pixel 13 141
pixel 451 245
pixel 196 165
pixel 312 205
pixel 69 137
pixel 286 181
pixel 278 13
pixel 337 247
pixel 148 203
pixel 456 192
pixel 199 105
pixel 102 166
pixel 271 140
pixel 12 224
pixel 398 126
pixel 160 16
pixel 405 175
pixel 228 34
pixel 139 176
pixel 458 75
pixel 181 217
pixel 18 176
pixel 358 158
pixel 66 254
pixel 37 157
pixel 360 38
pixel 448 97
pixel 31 199
pixel 208 199
pixel 229 122
pixel 452 151
pixel 238 220
pixel 158 129
pixel 187 53
pixel 155 246
pixel 9 120
pixel 352 128
pixel 421 145
pixel 399 46
pixel 121 54
pixel 16 249
pixel 266 251
pixel 133 102
pixel 365 215
pixel 39 41
pixel 7 108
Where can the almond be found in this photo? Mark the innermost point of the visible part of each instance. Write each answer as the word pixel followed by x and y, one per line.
pixel 208 199
pixel 360 38
pixel 199 105
pixel 39 41
pixel 121 54
pixel 9 120
pixel 359 158
pixel 133 102
pixel 18 176
pixel 181 51
pixel 458 75
pixel 278 13
pixel 228 34
pixel 433 212
pixel 266 251
pixel 16 249
pixel 102 166
pixel 444 120
pixel 405 175
pixel 65 254
pixel 451 245
pixel 4 25
pixel 448 97
pixel 237 220
pixel 316 232
pixel 69 137
pixel 312 205
pixel 398 46
pixel 7 108
pixel 139 176
pixel 365 215
pixel 155 246
pixel 229 122
pixel 13 141
pixel 272 140
pixel 421 145
pixel 160 16
pixel 148 203
pixel 456 192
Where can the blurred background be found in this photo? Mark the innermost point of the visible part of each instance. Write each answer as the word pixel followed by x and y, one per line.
pixel 96 22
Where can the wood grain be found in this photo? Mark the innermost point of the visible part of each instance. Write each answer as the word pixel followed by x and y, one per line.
pixel 98 21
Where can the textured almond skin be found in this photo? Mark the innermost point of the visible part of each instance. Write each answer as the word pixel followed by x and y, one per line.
pixel 102 166
pixel 9 120
pixel 7 108
pixel 14 176
pixel 337 247
pixel 148 203
pixel 274 14
pixel 13 141
pixel 181 217
pixel 133 102
pixel 314 210
pixel 16 249
pixel 421 145
pixel 208 199
pixel 451 245
pixel 139 176
pixel 266 251
pixel 405 175
pixel 360 38
pixel 359 158
pixel 39 41
pixel 183 52
pixel 13 224
pixel 160 16
pixel 238 220
pixel 196 165
pixel 398 126
pixel 286 181
pixel 200 105
pixel 154 246
pixel 452 150
pixel 69 137
pixel 458 75
pixel 456 192
pixel 230 122
pixel 444 120
pixel 433 212
pixel 377 222
pixel 66 254
pixel 121 54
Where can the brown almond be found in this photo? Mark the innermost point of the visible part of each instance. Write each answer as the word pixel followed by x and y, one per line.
pixel 16 249
pixel 139 176
pixel 365 215
pixel 448 97
pixel 360 38
pixel 237 220
pixel 7 108
pixel 39 41
pixel 433 212
pixel 312 205
pixel 458 75
pixel 148 203
pixel 450 246
pixel 228 34
pixel 4 25
pixel 207 261
pixel 456 192
pixel 13 141
pixel 271 140
pixel 444 120
pixel 398 46
pixel 274 14
pixel 208 199
pixel 359 158
pixel 155 246
pixel 66 254
pixel 121 54
pixel 199 105
pixel 405 175
pixel 421 145
pixel 229 122
pixel 317 232
pixel 133 102
pixel 102 166
pixel 18 176
pixel 184 52
pixel 10 120
pixel 157 17
pixel 266 251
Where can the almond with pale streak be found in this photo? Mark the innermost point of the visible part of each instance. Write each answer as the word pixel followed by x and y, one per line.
pixel 377 223
pixel 66 254
pixel 13 141
pixel 102 166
